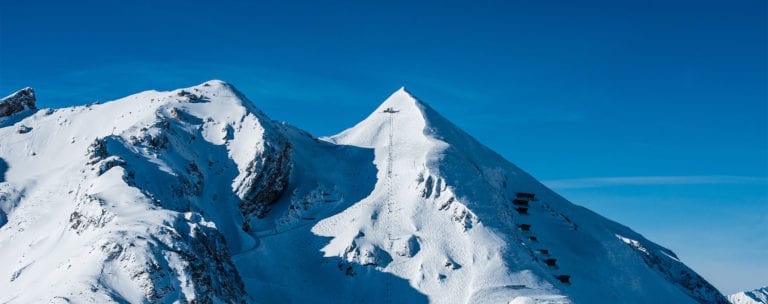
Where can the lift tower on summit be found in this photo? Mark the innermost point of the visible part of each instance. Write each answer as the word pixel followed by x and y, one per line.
pixel 390 192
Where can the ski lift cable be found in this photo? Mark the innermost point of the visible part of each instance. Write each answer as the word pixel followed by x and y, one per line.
pixel 390 193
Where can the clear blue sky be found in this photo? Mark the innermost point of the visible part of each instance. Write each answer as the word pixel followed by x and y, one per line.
pixel 652 113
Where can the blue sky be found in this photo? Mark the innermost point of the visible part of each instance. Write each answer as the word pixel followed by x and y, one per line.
pixel 652 113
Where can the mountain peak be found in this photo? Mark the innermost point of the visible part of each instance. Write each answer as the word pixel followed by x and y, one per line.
pixel 403 90
pixel 193 195
pixel 218 92
pixel 404 120
pixel 401 113
pixel 209 89
pixel 400 99
pixel 757 296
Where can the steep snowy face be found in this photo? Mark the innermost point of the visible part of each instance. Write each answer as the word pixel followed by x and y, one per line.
pixel 139 199
pixel 465 205
pixel 413 225
pixel 757 296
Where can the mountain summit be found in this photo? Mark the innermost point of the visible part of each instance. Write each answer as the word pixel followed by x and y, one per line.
pixel 757 296
pixel 196 195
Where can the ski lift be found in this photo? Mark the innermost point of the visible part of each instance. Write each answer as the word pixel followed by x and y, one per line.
pixel 390 111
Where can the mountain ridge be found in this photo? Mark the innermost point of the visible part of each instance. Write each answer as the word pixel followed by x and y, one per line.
pixel 195 194
pixel 755 296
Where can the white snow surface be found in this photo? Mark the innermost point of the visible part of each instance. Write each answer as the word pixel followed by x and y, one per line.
pixel 757 296
pixel 195 194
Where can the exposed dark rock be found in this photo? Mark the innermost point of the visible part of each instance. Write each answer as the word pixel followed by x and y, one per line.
pixel 110 163
pixel 155 142
pixel 97 151
pixel 364 255
pixel 22 129
pixel 465 218
pixel 23 99
pixel 451 264
pixel 447 203
pixel 89 214
pixel 191 97
pixel 409 248
pixel 211 268
pixel 197 251
pixel 428 187
pixel 266 180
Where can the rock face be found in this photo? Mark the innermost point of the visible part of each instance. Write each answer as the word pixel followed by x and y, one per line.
pixel 757 296
pixel 196 196
pixel 266 180
pixel 23 99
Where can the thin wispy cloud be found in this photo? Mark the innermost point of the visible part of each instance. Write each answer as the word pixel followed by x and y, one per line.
pixel 597 182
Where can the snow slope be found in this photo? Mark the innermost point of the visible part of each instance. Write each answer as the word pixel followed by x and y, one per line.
pixel 195 194
pixel 757 296
pixel 118 201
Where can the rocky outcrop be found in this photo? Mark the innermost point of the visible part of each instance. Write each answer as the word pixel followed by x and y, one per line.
pixel 23 99
pixel 266 180
pixel 186 261
pixel 408 247
pixel 89 214
pixel 362 254
pixel 208 263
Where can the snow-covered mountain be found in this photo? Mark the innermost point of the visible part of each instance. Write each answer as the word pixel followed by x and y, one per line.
pixel 19 101
pixel 757 296
pixel 196 195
